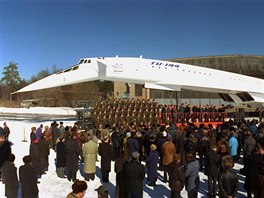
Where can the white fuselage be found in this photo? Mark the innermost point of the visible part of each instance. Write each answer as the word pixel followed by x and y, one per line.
pixel 156 74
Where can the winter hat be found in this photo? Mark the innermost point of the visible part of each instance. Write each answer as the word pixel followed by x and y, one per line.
pixel 135 155
pixel 102 190
pixel 128 134
pixel 27 159
pixel 228 162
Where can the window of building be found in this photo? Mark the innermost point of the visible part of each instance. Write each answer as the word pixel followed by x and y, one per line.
pixel 138 90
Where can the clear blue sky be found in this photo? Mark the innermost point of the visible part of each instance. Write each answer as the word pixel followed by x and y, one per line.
pixel 37 34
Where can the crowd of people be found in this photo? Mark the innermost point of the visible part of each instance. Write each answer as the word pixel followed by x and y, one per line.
pixel 139 148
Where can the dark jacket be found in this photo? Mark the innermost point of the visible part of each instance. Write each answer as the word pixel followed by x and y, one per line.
pixel 28 180
pixel 176 176
pixel 249 145
pixel 33 136
pixel 135 173
pixel 212 164
pixel 204 146
pixel 73 152
pixel 121 180
pixel 190 146
pixel 44 152
pixel 228 183
pixel 152 165
pixel 105 151
pixel 132 145
pixel 9 175
pixel 61 155
pixel 35 154
pixel 252 167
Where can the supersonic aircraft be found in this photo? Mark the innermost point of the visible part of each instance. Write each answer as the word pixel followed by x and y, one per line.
pixel 158 74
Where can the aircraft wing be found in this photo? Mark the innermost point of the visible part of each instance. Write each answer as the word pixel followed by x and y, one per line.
pixel 162 86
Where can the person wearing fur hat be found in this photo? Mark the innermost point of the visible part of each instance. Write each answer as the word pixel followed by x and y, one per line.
pixel 176 177
pixel 135 173
pixel 9 171
pixel 152 165
pixel 28 179
pixel 212 167
pixel 105 151
pixel 228 181
pixel 102 191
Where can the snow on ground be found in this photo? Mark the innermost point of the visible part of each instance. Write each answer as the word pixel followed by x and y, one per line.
pixel 51 186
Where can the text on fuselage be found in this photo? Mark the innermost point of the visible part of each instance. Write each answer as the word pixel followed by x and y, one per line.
pixel 164 64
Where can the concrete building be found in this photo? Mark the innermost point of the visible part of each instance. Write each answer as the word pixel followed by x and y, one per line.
pixel 250 65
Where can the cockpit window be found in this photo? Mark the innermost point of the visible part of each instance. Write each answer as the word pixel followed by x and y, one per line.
pixel 81 61
pixel 84 61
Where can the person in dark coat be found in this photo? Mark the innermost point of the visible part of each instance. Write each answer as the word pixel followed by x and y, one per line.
pixel 121 180
pixel 260 182
pixel 132 143
pixel 190 145
pixel 28 179
pixel 192 176
pixel 9 174
pixel 212 166
pixel 228 181
pixel 105 151
pixel 152 165
pixel 135 173
pixel 5 149
pixel 35 154
pixel 6 131
pixel 140 140
pixel 162 138
pixel 248 145
pixel 44 154
pixel 73 152
pixel 116 142
pixel 203 148
pixel 39 131
pixel 60 157
pixel 33 135
pixel 148 140
pixel 176 177
pixel 54 133
pixel 252 167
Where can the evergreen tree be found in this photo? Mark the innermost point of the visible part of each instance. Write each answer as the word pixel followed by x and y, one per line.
pixel 11 77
